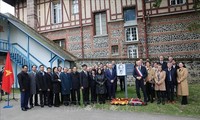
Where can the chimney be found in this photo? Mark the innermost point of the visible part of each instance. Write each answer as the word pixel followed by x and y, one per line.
pixel 32 13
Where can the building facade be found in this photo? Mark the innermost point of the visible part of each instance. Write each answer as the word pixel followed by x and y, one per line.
pixel 115 28
pixel 27 47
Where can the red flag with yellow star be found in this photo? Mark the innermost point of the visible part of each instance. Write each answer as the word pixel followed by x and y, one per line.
pixel 8 77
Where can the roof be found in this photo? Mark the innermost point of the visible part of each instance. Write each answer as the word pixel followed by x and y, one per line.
pixel 10 2
pixel 48 44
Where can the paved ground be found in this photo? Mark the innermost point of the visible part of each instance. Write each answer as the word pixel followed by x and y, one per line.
pixel 76 113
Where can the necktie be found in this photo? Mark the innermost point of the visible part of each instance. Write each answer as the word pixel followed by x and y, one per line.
pixel 111 71
pixel 170 77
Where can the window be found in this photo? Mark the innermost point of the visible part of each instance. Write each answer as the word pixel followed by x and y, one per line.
pixel 100 24
pixel 129 14
pixel 131 34
pixel 75 6
pixel 177 2
pixel 132 51
pixel 60 43
pixel 114 49
pixel 56 12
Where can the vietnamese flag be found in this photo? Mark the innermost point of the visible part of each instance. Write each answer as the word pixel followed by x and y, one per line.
pixel 8 77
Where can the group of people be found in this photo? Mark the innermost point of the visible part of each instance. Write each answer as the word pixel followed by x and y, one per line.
pixel 63 85
pixel 159 80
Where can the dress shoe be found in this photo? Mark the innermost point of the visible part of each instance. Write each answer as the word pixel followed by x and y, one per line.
pixel 24 109
pixel 27 108
pixel 158 102
pixel 145 103
pixel 31 106
pixel 37 105
pixel 50 105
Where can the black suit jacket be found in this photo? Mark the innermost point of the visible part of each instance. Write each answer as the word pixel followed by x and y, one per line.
pixel 143 71
pixel 41 81
pixel 49 81
pixel 173 75
pixel 56 84
pixel 24 81
pixel 164 65
pixel 1 76
pixel 75 80
pixel 85 79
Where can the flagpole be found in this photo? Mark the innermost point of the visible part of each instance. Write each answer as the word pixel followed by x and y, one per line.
pixel 8 102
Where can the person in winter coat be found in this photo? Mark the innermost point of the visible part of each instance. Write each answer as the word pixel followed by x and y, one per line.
pixel 182 74
pixel 66 86
pixel 101 86
pixel 56 87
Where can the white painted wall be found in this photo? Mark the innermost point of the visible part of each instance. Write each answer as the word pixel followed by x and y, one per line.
pixel 4 35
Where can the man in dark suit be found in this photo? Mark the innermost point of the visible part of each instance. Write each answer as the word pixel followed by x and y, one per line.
pixel 1 76
pixel 75 87
pixel 49 94
pixel 140 73
pixel 170 82
pixel 33 90
pixel 162 62
pixel 176 67
pixel 111 76
pixel 41 84
pixel 85 81
pixel 24 83
pixel 66 86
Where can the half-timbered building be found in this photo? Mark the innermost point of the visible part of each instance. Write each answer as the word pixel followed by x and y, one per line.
pixel 114 28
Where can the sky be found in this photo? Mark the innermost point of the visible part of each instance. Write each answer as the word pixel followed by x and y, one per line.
pixel 6 8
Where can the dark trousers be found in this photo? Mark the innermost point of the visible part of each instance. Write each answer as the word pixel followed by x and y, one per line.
pixel 111 90
pixel 24 98
pixel 101 98
pixel 42 97
pixel 160 96
pixel 56 98
pixel 122 83
pixel 49 98
pixel 93 94
pixel 140 84
pixel 35 99
pixel 75 95
pixel 150 91
pixel 184 100
pixel 85 93
pixel 170 91
pixel 66 99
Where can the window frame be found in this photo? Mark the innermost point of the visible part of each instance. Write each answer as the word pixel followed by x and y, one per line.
pixel 59 43
pixel 136 33
pixel 115 53
pixel 100 22
pixel 58 12
pixel 133 47
pixel 129 8
pixel 184 1
pixel 73 5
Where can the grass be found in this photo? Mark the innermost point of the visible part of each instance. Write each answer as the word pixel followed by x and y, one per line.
pixel 192 109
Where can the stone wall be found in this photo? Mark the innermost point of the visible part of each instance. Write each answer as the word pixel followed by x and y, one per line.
pixel 193 66
pixel 169 35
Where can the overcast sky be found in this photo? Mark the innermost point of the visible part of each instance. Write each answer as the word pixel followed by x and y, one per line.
pixel 5 8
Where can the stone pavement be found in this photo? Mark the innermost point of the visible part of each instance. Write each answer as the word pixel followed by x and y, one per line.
pixel 76 113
